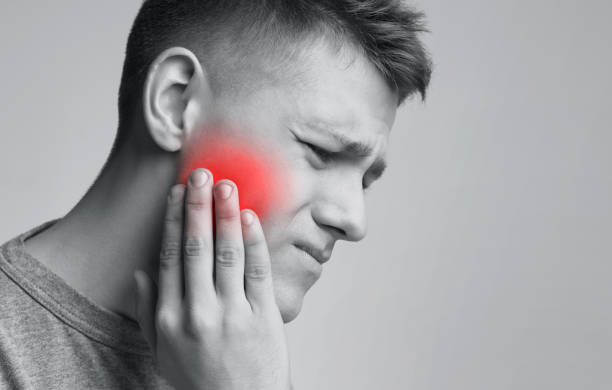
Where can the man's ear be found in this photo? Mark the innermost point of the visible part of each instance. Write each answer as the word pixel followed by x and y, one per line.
pixel 176 93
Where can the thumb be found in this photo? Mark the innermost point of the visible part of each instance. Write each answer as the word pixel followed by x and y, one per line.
pixel 145 307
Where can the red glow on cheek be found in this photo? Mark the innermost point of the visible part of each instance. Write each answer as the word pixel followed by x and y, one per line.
pixel 229 154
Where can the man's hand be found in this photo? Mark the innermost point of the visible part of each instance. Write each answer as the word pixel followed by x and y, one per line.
pixel 213 331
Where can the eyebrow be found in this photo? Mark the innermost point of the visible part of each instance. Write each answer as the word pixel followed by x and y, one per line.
pixel 356 148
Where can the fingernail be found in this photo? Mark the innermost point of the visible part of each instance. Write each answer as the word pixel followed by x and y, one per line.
pixel 247 218
pixel 198 178
pixel 223 190
pixel 176 192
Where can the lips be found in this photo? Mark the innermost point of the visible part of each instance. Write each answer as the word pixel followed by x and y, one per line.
pixel 320 256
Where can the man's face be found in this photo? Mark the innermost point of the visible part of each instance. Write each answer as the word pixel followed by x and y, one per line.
pixel 331 134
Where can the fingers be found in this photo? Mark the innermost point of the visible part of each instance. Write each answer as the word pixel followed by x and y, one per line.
pixel 170 268
pixel 198 246
pixel 145 307
pixel 229 250
pixel 212 267
pixel 257 267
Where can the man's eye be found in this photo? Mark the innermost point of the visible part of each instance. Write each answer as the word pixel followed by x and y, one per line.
pixel 322 154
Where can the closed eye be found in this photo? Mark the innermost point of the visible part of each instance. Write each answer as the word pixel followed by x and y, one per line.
pixel 322 154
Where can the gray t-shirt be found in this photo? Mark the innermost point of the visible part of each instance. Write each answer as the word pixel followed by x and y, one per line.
pixel 52 337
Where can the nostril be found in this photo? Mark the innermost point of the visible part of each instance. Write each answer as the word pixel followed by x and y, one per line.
pixel 337 231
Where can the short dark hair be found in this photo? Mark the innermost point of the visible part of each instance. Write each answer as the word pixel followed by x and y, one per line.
pixel 267 35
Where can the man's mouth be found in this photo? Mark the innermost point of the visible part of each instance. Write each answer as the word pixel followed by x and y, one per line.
pixel 316 254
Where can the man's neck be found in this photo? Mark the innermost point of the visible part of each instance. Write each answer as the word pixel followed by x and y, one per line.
pixel 113 230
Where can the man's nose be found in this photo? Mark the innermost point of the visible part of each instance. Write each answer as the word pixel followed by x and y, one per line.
pixel 342 211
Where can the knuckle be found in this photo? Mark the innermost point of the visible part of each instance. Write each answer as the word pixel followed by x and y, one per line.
pixel 168 254
pixel 166 322
pixel 228 256
pixel 228 216
pixel 235 324
pixel 196 204
pixel 257 272
pixel 194 246
pixel 199 323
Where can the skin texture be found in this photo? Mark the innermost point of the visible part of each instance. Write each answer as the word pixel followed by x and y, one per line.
pixel 116 227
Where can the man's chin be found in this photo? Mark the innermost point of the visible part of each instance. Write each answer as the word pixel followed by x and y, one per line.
pixel 290 310
pixel 289 302
pixel 289 292
pixel 289 316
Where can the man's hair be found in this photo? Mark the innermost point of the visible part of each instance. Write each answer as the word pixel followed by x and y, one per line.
pixel 261 39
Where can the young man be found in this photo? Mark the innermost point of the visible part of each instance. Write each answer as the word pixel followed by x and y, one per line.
pixel 306 89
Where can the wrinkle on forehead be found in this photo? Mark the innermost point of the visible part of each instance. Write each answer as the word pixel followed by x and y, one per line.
pixel 347 94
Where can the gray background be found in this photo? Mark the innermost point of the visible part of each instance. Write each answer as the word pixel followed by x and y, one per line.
pixel 487 264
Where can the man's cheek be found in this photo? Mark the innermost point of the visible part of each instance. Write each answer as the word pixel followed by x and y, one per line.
pixel 259 170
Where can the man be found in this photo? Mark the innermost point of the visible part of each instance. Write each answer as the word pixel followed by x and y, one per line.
pixel 314 85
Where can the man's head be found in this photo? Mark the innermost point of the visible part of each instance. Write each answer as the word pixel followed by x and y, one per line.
pixel 315 82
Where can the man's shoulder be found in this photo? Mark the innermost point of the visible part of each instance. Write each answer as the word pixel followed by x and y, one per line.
pixel 17 288
pixel 8 288
pixel 13 297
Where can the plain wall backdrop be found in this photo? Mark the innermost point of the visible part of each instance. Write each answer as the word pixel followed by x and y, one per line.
pixel 488 259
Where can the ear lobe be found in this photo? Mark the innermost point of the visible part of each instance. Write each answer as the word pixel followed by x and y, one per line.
pixel 173 97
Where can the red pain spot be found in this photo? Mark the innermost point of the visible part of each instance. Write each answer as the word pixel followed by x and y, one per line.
pixel 233 154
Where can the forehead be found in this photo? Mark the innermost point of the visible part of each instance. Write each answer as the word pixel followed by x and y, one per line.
pixel 341 89
pixel 327 88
